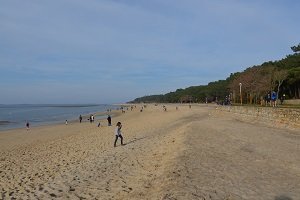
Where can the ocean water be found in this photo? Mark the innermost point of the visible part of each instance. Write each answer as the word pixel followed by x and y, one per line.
pixel 15 116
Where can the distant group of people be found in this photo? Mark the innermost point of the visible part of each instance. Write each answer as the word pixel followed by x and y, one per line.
pixel 271 99
pixel 118 132
pixel 91 119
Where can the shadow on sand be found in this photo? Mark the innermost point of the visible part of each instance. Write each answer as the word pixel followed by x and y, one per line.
pixel 283 197
pixel 134 140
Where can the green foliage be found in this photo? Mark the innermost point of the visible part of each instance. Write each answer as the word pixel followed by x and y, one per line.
pixel 213 90
pixel 256 82
pixel 296 48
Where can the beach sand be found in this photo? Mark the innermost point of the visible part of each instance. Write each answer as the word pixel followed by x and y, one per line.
pixel 187 153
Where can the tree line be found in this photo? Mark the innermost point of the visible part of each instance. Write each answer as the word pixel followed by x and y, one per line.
pixel 251 86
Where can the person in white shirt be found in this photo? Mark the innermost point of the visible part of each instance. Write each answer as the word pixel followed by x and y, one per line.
pixel 118 134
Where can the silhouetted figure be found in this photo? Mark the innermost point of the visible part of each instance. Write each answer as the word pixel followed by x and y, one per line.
pixel 109 120
pixel 27 125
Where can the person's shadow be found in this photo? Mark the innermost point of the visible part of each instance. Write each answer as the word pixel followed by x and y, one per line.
pixel 283 197
pixel 134 140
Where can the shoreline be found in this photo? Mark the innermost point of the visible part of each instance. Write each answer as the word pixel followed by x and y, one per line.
pixel 100 114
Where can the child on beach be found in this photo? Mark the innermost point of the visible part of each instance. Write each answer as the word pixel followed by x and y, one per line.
pixel 118 133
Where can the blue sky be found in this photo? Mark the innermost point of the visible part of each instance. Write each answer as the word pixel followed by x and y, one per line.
pixel 112 51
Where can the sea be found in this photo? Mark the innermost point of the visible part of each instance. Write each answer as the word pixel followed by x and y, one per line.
pixel 16 116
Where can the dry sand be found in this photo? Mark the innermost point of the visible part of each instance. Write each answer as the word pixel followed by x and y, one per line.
pixel 179 154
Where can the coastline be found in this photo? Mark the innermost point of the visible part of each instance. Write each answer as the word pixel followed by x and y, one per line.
pixel 56 118
pixel 47 132
pixel 189 153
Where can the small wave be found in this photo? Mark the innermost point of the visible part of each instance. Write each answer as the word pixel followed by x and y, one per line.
pixel 5 122
pixel 73 106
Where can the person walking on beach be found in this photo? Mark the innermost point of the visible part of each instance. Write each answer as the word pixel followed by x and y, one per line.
pixel 27 126
pixel 118 134
pixel 109 120
pixel 269 98
pixel 91 118
pixel 274 99
pixel 80 118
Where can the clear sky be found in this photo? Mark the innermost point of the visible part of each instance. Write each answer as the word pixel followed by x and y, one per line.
pixel 112 51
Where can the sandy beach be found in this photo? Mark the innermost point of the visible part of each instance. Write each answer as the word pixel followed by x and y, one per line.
pixel 189 153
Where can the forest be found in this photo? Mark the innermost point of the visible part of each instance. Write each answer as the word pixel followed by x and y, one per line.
pixel 250 86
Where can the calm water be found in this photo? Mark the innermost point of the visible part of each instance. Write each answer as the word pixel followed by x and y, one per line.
pixel 15 116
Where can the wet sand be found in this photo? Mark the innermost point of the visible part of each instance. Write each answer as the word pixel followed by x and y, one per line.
pixel 187 153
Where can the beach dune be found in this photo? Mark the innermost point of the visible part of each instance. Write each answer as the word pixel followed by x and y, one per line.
pixel 189 153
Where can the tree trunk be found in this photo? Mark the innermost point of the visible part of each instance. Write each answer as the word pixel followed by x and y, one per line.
pixel 290 91
pixel 278 88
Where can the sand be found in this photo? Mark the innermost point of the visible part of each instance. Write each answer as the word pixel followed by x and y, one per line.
pixel 187 153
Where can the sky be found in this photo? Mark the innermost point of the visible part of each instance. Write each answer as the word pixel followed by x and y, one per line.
pixel 113 51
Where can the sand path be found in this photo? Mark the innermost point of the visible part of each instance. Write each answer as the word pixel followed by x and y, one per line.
pixel 186 154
